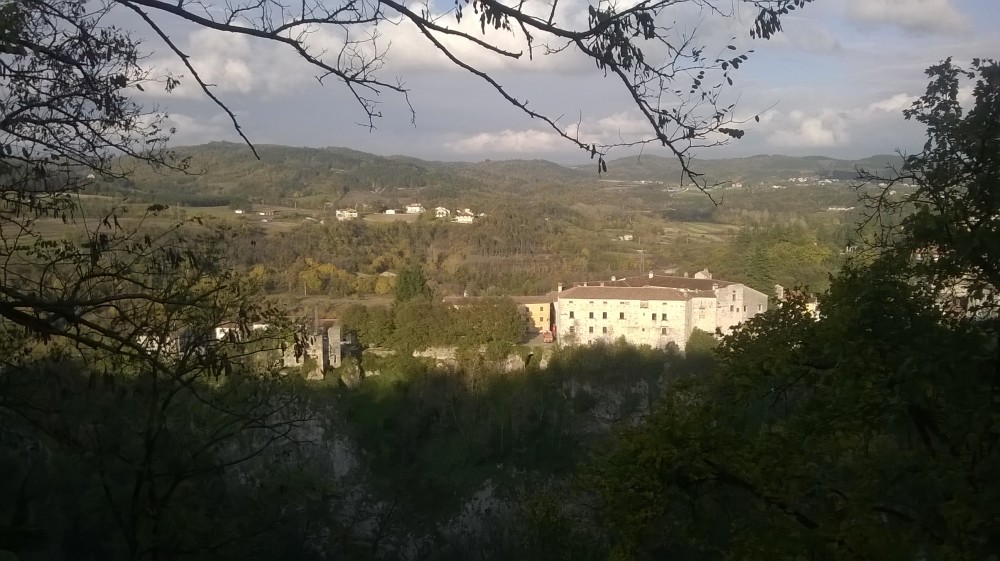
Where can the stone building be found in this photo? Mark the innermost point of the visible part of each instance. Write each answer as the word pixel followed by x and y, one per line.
pixel 654 310
pixel 321 345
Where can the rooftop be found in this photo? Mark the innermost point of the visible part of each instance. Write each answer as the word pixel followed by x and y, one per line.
pixel 623 293
pixel 667 281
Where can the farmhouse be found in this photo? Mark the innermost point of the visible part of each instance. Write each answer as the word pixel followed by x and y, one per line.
pixel 415 208
pixel 346 214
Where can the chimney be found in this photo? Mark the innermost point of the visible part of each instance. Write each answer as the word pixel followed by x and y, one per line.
pixel 559 287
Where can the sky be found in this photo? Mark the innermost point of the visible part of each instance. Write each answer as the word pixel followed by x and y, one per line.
pixel 834 83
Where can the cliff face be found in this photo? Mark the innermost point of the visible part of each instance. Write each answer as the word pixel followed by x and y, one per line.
pixel 438 462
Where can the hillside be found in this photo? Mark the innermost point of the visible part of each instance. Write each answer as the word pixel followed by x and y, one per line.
pixel 226 173
pixel 753 169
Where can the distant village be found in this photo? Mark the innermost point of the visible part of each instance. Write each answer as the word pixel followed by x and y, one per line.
pixel 458 216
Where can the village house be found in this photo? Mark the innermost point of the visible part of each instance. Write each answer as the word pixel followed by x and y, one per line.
pixel 441 212
pixel 536 311
pixel 464 216
pixel 346 214
pixel 414 208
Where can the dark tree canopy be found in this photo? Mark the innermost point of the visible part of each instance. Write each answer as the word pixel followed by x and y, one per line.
pixel 947 219
pixel 868 431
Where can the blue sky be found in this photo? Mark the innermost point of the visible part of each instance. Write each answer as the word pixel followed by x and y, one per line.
pixel 834 84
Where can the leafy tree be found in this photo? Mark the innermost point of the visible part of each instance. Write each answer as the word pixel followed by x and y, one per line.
pixel 411 283
pixel 948 218
pixel 490 320
pixel 870 432
pixel 110 362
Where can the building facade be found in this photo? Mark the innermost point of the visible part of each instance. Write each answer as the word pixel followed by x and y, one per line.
pixel 654 310
pixel 536 311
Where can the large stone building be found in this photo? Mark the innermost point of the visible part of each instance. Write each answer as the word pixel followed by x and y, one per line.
pixel 654 310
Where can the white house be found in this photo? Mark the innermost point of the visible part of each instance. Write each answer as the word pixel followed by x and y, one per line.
pixel 390 211
pixel 415 208
pixel 464 216
pixel 441 212
pixel 346 214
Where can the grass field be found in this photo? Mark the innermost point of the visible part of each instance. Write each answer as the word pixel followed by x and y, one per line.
pixel 384 218
pixel 699 231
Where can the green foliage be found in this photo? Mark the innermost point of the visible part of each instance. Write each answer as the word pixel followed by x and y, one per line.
pixel 374 325
pixel 864 433
pixel 948 218
pixel 870 431
pixel 444 431
pixel 411 284
pixel 699 352
pixel 489 321
pixel 767 255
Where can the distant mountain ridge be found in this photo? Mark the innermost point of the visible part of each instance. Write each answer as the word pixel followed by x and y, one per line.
pixel 229 171
pixel 764 167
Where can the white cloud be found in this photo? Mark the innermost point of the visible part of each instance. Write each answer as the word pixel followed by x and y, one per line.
pixel 805 35
pixel 230 63
pixel 935 16
pixel 894 104
pixel 617 127
pixel 191 130
pixel 817 130
pixel 509 141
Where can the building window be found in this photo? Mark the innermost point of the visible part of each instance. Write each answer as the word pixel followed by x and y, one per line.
pixel 663 331
pixel 654 317
pixel 571 314
pixel 621 303
pixel 643 304
pixel 621 315
pixel 591 329
pixel 572 329
pixel 732 308
pixel 760 307
pixel 734 296
pixel 744 308
pixel 591 315
pixel 604 330
pixel 604 315
pixel 541 308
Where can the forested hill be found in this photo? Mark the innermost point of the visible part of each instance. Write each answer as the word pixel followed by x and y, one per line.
pixel 754 169
pixel 227 173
